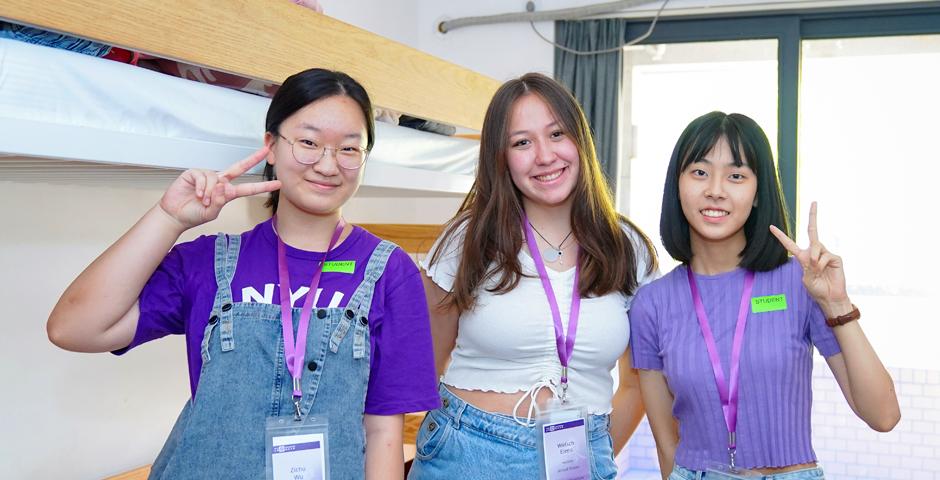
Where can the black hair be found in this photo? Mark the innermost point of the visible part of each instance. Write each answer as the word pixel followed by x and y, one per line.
pixel 749 146
pixel 302 89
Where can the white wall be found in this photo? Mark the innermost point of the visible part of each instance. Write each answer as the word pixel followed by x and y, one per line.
pixel 91 414
pixel 397 20
pixel 501 51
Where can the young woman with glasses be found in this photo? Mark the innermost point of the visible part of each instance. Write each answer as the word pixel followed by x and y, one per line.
pixel 355 305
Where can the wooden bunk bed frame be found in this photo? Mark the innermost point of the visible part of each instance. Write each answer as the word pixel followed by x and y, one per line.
pixel 253 38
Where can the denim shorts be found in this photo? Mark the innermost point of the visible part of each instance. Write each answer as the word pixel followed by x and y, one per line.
pixel 682 473
pixel 459 440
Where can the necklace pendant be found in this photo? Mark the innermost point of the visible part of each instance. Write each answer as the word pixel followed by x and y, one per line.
pixel 551 255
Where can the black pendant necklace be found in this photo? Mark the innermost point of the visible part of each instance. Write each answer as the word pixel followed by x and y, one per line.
pixel 553 253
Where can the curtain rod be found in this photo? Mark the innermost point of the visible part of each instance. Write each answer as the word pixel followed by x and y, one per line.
pixel 548 15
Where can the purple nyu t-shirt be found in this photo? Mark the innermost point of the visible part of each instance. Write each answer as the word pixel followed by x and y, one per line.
pixel 775 396
pixel 178 299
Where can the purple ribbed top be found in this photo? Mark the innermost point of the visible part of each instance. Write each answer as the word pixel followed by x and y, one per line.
pixel 776 364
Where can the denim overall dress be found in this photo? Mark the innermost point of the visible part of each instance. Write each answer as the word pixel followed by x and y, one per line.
pixel 221 431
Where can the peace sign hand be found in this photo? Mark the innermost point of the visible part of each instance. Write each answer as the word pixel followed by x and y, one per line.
pixel 197 196
pixel 823 275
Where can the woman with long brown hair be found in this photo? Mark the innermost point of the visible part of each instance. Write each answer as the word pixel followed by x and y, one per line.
pixel 529 288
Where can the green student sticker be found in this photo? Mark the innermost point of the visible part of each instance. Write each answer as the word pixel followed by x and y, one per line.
pixel 770 303
pixel 340 266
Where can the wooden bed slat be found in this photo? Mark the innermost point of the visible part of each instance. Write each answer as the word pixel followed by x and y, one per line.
pixel 269 41
pixel 137 474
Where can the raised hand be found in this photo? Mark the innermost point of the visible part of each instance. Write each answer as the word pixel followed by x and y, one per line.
pixel 197 196
pixel 823 274
pixel 81 321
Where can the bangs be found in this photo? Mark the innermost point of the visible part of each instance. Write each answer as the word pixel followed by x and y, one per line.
pixel 712 130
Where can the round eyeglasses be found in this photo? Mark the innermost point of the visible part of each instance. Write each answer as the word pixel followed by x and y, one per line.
pixel 309 152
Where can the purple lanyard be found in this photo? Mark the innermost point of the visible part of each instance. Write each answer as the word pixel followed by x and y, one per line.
pixel 294 352
pixel 564 343
pixel 728 395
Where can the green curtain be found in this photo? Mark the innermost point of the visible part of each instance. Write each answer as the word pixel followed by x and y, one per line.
pixel 595 81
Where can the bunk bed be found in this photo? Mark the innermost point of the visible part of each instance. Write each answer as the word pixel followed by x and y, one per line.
pixel 76 116
pixel 65 115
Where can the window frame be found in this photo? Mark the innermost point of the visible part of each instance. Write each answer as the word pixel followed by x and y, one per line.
pixel 790 28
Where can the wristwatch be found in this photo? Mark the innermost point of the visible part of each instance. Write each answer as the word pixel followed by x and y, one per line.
pixel 843 319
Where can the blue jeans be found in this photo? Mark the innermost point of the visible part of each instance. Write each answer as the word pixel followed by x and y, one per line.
pixel 459 440
pixel 46 38
pixel 682 473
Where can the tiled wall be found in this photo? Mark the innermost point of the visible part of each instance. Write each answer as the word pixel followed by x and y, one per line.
pixel 847 448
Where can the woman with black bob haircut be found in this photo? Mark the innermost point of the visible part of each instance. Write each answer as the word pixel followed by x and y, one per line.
pixel 724 342
pixel 746 141
pixel 282 380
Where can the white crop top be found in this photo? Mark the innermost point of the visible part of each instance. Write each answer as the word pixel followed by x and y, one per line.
pixel 506 343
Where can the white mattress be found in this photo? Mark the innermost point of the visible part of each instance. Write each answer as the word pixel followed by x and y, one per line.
pixel 59 105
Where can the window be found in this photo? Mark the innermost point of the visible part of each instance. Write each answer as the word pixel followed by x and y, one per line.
pixel 868 134
pixel 672 84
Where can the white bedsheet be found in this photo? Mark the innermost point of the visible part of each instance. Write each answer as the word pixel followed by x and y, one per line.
pixel 62 105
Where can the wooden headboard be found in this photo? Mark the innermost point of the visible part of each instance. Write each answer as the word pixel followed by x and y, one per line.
pixel 269 41
pixel 414 239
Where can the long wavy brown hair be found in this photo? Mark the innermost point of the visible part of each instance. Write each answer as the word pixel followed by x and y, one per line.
pixel 492 211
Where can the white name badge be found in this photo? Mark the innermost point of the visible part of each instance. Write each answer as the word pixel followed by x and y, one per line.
pixel 298 457
pixel 296 450
pixel 565 450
